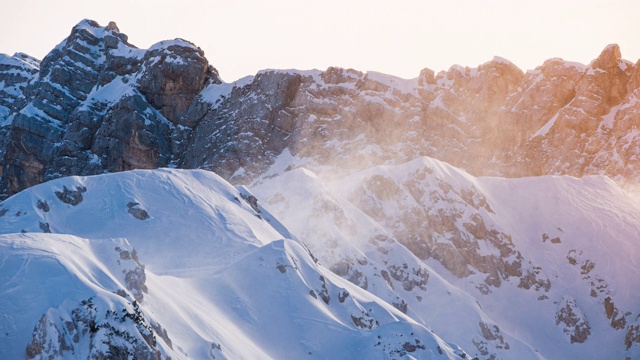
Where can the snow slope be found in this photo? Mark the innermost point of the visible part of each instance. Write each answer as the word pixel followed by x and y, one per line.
pixel 550 261
pixel 179 264
pixel 361 250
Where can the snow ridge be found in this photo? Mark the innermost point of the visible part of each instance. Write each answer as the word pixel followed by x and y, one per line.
pixel 180 264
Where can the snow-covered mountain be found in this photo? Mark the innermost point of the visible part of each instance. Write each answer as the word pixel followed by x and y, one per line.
pixel 545 264
pixel 180 264
pixel 378 247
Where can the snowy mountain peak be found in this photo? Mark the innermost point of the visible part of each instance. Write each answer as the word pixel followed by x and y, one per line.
pixel 367 222
pixel 80 206
pixel 94 29
pixel 165 44
pixel 178 264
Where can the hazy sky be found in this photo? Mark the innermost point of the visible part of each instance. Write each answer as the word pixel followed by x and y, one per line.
pixel 395 37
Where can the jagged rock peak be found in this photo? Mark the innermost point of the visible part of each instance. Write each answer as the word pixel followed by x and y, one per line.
pixel 86 23
pixel 338 75
pixel 92 27
pixel 556 65
pixel 608 58
pixel 427 76
pixel 175 73
pixel 503 66
pixel 112 26
pixel 502 61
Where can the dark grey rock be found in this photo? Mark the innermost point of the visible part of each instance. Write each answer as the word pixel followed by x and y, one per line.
pixel 252 201
pixel 174 74
pixel 44 226
pixel 135 278
pixel 71 197
pixel 137 212
pixel 365 321
pixel 43 205
pixel 67 75
pixel 248 129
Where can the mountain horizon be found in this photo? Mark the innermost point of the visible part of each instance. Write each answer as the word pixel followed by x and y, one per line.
pixel 482 212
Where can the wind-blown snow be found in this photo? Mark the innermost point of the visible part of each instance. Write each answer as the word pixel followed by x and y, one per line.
pixel 580 233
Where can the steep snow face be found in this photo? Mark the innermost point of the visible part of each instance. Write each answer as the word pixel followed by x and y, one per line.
pixel 583 235
pixel 180 264
pixel 167 215
pixel 551 261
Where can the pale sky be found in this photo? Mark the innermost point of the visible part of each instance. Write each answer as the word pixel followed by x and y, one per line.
pixel 395 37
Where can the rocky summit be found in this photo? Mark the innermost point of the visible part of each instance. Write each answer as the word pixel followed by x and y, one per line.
pixel 96 104
pixel 451 216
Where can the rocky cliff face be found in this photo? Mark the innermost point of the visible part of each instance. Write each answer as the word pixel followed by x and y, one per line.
pixel 561 118
pixel 15 74
pixel 98 104
pixel 593 133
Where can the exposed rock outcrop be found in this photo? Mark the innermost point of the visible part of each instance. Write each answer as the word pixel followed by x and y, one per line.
pixel 133 272
pixel 91 331
pixel 570 319
pixel 98 104
pixel 174 73
pixel 446 222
